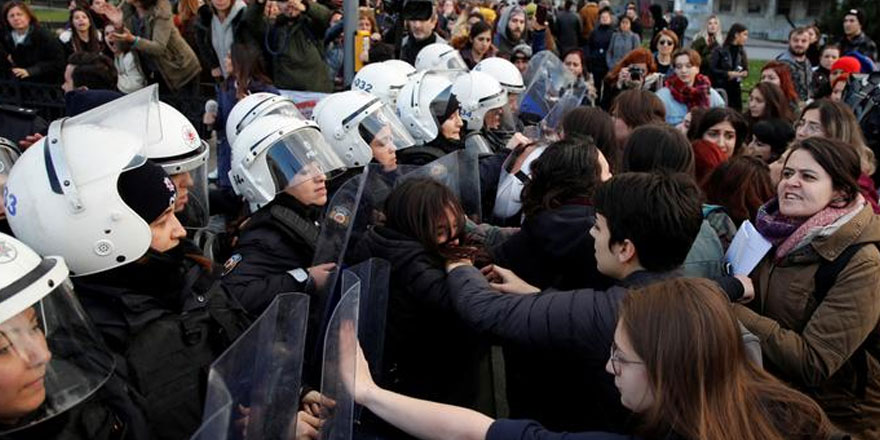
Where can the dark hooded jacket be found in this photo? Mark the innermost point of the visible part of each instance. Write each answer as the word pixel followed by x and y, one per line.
pixel 505 43
pixel 40 53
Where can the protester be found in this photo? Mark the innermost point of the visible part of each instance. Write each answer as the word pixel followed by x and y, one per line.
pixel 778 73
pixel 822 71
pixel 511 30
pixel 567 27
pixel 770 138
pixel 634 108
pixel 818 221
pixel 637 70
pixel 730 65
pixel 660 23
pixel 796 60
pixel 82 34
pixel 725 128
pixel 666 43
pixel 623 41
pixel 767 101
pixel 479 44
pixel 706 40
pixel 740 185
pixel 597 47
pixel 598 126
pixel 854 39
pixel 29 51
pixel 687 89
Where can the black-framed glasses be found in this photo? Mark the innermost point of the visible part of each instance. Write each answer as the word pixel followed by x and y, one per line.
pixel 617 359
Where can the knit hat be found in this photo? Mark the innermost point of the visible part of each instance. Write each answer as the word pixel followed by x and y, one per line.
pixel 847 64
pixel 147 190
pixel 860 16
pixel 521 51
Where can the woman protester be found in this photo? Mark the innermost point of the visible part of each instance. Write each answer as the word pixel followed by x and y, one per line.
pixel 636 70
pixel 816 290
pixel 741 185
pixel 687 89
pixel 146 27
pixel 706 40
pixel 665 44
pixel 424 336
pixel 778 73
pixel 553 247
pixel 479 44
pixel 622 42
pixel 770 138
pixel 219 27
pixel 725 397
pixel 82 34
pixel 29 52
pixel 729 64
pixel 767 101
pixel 720 135
pixel 634 108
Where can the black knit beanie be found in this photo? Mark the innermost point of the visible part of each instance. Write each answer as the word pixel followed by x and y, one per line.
pixel 147 190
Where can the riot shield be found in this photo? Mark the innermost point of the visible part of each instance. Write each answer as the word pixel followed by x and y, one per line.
pixel 253 387
pixel 337 406
pixel 551 125
pixel 460 171
pixel 548 80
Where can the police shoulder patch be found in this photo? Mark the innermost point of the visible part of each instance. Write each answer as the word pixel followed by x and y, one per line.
pixel 231 263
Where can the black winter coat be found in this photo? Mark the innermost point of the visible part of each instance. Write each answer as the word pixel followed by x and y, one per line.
pixel 595 50
pixel 268 249
pixel 429 352
pixel 554 249
pixel 41 54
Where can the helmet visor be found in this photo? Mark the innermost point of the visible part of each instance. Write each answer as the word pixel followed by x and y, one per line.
pixel 190 178
pixel 452 60
pixel 301 156
pixel 382 129
pixel 59 354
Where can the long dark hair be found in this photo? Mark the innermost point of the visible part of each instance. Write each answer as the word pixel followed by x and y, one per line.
pixel 717 115
pixel 655 147
pixel 417 208
pixel 247 66
pixel 735 29
pixel 776 105
pixel 596 123
pixel 93 44
pixel 566 170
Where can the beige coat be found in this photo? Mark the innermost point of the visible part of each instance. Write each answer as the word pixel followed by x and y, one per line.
pixel 811 345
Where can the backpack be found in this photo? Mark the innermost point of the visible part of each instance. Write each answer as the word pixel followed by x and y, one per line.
pixel 168 361
pixel 824 280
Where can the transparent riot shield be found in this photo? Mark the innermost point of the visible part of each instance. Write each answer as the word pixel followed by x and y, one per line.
pixel 548 80
pixel 460 171
pixel 340 345
pixel 253 387
pixel 551 125
pixel 374 275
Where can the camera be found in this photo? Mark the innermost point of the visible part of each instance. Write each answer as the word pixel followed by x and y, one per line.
pixel 636 73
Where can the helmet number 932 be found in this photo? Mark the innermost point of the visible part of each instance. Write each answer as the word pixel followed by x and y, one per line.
pixel 363 85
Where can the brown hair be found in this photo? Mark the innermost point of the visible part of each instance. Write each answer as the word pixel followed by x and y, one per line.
pixel 839 122
pixel 676 44
pixel 635 56
pixel 692 55
pixel 24 8
pixel 638 107
pixel 741 185
pixel 839 159
pixel 596 123
pixel 655 147
pixel 364 12
pixel 785 81
pixel 685 332
pixel 187 9
pixel 775 104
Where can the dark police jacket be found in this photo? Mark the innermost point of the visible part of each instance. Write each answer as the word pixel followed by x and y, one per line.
pixel 278 238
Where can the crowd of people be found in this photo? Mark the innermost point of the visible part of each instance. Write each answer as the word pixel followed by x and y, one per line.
pixel 561 197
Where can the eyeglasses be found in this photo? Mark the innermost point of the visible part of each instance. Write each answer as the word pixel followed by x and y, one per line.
pixel 665 43
pixel 617 360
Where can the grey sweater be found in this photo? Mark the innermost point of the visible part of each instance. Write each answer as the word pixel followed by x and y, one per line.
pixel 621 44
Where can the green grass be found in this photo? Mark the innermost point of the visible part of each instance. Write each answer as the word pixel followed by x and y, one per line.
pixel 51 15
pixel 753 78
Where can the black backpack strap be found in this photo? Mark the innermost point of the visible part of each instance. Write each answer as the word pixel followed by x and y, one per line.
pixel 824 280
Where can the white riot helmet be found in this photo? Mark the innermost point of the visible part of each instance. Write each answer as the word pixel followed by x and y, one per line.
pixel 354 123
pixel 62 196
pixel 255 105
pixel 440 56
pixel 43 324
pixel 184 156
pixel 381 80
pixel 422 102
pixel 402 67
pixel 477 93
pixel 276 152
pixel 9 154
pixel 504 72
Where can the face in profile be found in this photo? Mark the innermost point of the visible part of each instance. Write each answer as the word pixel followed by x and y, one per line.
pixel 166 231
pixel 630 373
pixel 309 186
pixel 451 128
pixel 382 147
pixel 24 356
pixel 447 228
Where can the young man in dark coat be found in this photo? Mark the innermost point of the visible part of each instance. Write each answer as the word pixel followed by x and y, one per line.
pixel 645 226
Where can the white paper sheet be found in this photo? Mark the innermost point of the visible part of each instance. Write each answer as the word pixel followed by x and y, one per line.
pixel 747 249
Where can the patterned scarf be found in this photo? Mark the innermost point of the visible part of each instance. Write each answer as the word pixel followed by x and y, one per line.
pixel 692 96
pixel 788 234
